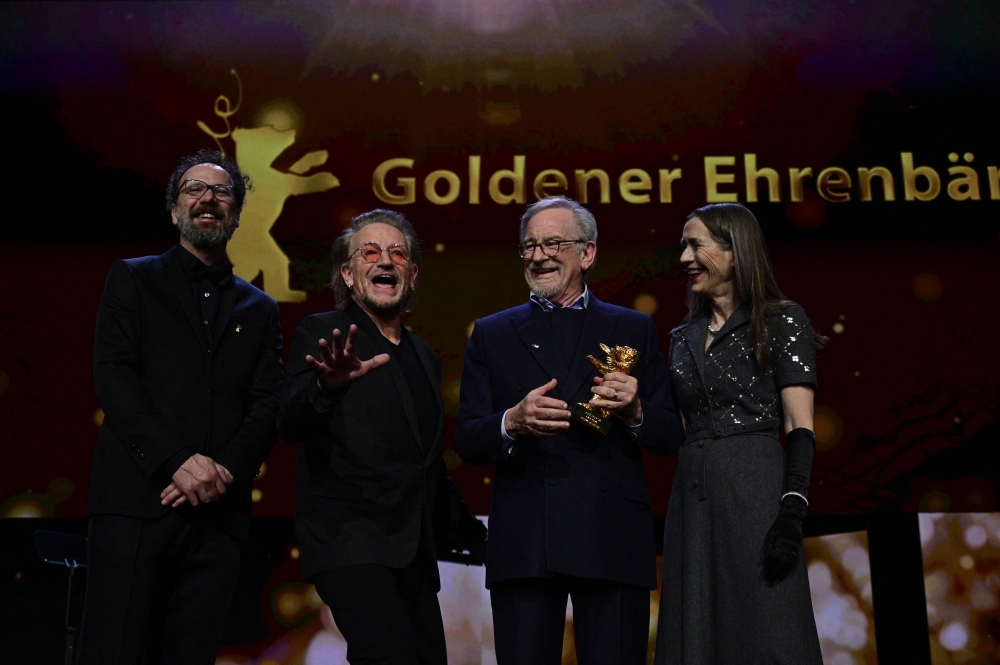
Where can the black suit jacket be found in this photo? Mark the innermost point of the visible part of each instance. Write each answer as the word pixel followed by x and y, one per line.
pixel 574 503
pixel 164 388
pixel 366 485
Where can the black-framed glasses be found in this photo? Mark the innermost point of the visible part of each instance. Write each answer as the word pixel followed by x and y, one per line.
pixel 197 189
pixel 549 248
pixel 371 252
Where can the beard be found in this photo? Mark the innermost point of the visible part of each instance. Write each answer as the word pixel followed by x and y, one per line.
pixel 549 288
pixel 207 238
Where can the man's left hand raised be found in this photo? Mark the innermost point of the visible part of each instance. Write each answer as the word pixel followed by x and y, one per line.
pixel 618 392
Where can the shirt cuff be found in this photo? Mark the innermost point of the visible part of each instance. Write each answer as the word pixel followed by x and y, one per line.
pixel 635 430
pixel 509 442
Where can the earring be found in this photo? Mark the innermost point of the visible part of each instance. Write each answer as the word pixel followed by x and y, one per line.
pixel 350 286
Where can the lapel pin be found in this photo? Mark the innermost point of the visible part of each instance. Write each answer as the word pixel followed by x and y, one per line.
pixel 534 346
pixel 238 328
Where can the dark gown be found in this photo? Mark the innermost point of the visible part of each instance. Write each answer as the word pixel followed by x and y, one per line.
pixel 715 607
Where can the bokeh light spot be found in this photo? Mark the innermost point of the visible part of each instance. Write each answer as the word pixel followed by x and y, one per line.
pixel 98 418
pixel 294 553
pixel 645 303
pixel 828 427
pixel 935 501
pixel 927 287
pixel 838 328
pixel 256 495
pixel 967 562
pixel 439 247
pixel 289 603
pixel 376 77
pixel 487 480
pixel 451 460
pixel 954 636
pixel 976 536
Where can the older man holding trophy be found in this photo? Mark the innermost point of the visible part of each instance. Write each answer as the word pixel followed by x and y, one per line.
pixel 570 515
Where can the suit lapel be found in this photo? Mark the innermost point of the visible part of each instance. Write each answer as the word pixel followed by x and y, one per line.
pixel 427 363
pixel 536 335
pixel 182 288
pixel 367 328
pixel 598 328
pixel 735 320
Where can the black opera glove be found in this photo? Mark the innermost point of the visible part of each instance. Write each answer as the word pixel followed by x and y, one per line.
pixel 784 540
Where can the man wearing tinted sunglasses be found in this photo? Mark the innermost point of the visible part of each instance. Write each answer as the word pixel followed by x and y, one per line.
pixel 374 504
pixel 188 373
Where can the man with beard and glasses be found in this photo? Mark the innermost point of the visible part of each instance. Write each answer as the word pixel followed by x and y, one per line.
pixel 373 499
pixel 188 373
pixel 570 514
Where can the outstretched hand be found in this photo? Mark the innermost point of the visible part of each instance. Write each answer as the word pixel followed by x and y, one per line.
pixel 339 364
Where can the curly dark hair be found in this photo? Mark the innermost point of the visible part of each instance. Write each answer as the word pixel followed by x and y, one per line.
pixel 341 251
pixel 241 181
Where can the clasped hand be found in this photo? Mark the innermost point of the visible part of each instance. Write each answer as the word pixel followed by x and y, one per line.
pixel 619 393
pixel 199 480
pixel 339 364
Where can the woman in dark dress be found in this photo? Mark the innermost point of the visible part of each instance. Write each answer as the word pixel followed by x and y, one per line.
pixel 735 585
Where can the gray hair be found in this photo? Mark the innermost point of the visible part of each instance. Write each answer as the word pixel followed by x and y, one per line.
pixel 585 220
pixel 341 252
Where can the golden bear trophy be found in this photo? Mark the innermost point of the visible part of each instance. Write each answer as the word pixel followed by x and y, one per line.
pixel 620 359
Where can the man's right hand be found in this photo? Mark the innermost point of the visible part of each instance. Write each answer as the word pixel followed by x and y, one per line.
pixel 198 480
pixel 538 415
pixel 340 365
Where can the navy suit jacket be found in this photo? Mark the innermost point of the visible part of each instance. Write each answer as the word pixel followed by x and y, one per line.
pixel 574 503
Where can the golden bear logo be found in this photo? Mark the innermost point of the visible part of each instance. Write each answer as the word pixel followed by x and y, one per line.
pixel 252 250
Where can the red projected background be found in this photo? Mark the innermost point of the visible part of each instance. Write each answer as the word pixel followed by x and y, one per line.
pixel 862 135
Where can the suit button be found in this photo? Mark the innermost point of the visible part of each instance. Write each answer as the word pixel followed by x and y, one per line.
pixel 695 484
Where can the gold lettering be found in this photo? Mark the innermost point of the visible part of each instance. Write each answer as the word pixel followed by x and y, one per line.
pixel 910 176
pixel 584 177
pixel 475 169
pixel 865 183
pixel 542 183
pixel 430 187
pixel 635 180
pixel 832 179
pixel 795 178
pixel 516 176
pixel 408 184
pixel 993 175
pixel 753 174
pixel 713 179
pixel 667 178
pixel 969 181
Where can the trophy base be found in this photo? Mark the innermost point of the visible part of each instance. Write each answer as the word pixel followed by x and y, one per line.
pixel 589 419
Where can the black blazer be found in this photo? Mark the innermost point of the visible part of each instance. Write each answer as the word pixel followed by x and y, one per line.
pixel 163 388
pixel 366 486
pixel 574 503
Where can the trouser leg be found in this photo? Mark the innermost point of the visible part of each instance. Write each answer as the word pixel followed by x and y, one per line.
pixel 124 560
pixel 610 622
pixel 374 607
pixel 204 569
pixel 529 620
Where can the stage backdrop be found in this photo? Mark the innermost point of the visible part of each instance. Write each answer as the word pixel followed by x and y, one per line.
pixel 863 134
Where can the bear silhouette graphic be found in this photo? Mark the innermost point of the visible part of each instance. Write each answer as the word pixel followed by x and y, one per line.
pixel 252 250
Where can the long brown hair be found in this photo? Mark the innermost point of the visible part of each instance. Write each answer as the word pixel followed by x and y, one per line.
pixel 737 230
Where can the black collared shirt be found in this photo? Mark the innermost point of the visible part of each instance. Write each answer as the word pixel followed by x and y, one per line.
pixel 206 292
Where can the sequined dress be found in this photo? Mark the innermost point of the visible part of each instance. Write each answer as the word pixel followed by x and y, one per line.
pixel 715 607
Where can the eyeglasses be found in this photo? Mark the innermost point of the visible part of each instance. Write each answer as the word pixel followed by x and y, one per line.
pixel 549 248
pixel 371 252
pixel 197 189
